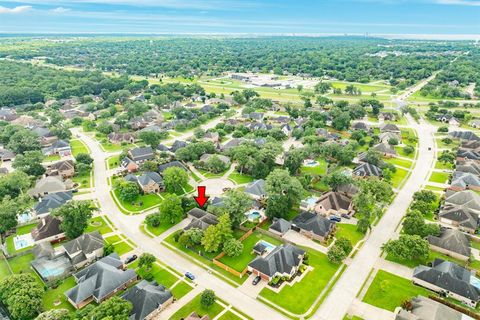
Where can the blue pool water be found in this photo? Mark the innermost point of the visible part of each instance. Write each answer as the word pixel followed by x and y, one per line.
pixel 24 217
pixel 267 245
pixel 312 163
pixel 474 281
pixel 311 201
pixel 21 243
pixel 254 216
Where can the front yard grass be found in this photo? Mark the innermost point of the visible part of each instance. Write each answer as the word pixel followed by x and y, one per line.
pixel 398 177
pixel 98 223
pixel 78 147
pixel 160 274
pixel 388 291
pixel 196 306
pixel 239 178
pixel 181 289
pixel 229 316
pixel 83 180
pixel 399 162
pixel 431 256
pixel 402 153
pixel 443 166
pixel 122 247
pixel 240 263
pixel 439 177
pixel 159 230
pixel 143 202
pixel 301 296
pixel 113 162
pixel 113 239
pixel 349 231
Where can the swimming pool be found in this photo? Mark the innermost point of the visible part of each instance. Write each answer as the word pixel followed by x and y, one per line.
pixel 474 281
pixel 24 217
pixel 254 215
pixel 23 241
pixel 310 163
pixel 268 246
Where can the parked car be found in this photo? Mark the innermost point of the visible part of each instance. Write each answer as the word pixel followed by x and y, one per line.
pixel 190 276
pixel 131 259
pixel 346 216
pixel 256 280
pixel 335 218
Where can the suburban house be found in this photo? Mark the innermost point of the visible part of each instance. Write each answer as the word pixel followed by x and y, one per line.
pixel 367 170
pixel 150 182
pixel 148 300
pixel 48 230
pixel 141 154
pixel 85 249
pixel 360 126
pixel 460 216
pixel 452 243
pixel 51 201
pixel 213 137
pixel 178 144
pixel 448 118
pixel 100 281
pixel 390 127
pixel 388 136
pixel 280 226
pixel 205 157
pixel 49 185
pixel 465 180
pixel 464 135
pixel 129 165
pixel 8 114
pixel 283 261
pixel 171 164
pixel 313 226
pixel 119 137
pixel 448 278
pixel 235 142
pixel 475 123
pixel 200 219
pixel 49 264
pixel 468 154
pixel 59 147
pixel 467 198
pixel 422 308
pixel 333 202
pixel 468 166
pixel 64 169
pixel 6 155
pixel 385 149
pixel 387 116
pixel 256 189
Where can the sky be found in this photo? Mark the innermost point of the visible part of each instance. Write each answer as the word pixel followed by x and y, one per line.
pixel 448 18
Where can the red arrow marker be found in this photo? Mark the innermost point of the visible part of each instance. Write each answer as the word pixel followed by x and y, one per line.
pixel 201 198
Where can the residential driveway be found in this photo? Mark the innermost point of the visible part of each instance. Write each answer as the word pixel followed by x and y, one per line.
pixel 249 289
pixel 301 240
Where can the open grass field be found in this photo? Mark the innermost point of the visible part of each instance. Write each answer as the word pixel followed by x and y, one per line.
pixel 388 291
pixel 301 296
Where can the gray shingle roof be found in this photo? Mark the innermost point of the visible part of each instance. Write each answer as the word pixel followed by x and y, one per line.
pixel 143 153
pixel 100 279
pixel 367 170
pixel 461 214
pixel 146 297
pixel 87 243
pixel 464 135
pixel 452 240
pixel 175 163
pixel 52 201
pixel 150 177
pixel 256 188
pixel 281 225
pixel 335 201
pixel 464 180
pixel 312 222
pixel 281 260
pixel 428 309
pixel 448 276
pixel 467 198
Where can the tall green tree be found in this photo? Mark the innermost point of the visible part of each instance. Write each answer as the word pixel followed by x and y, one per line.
pixel 175 178
pixel 74 216
pixel 171 210
pixel 22 294
pixel 235 204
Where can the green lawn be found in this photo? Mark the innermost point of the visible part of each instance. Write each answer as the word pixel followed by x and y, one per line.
pixel 319 170
pixel 439 177
pixel 402 153
pixel 98 223
pixel 78 147
pixel 53 295
pixel 388 291
pixel 53 157
pixel 161 275
pixel 122 247
pixel 239 178
pixel 240 263
pixel 21 264
pixel 443 166
pixel 350 232
pixel 143 202
pixel 161 229
pixel 181 289
pixel 113 239
pixel 195 306
pixel 229 316
pixel 399 162
pixel 398 177
pixel 432 256
pixel 211 175
pixel 20 230
pixel 301 296
pixel 4 271
pixel 113 162
pixel 83 180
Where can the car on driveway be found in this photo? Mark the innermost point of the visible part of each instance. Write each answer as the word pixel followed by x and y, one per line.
pixel 335 218
pixel 190 276
pixel 131 259
pixel 256 280
pixel 346 216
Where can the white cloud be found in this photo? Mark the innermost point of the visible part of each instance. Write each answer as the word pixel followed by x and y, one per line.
pixel 19 9
pixel 60 10
pixel 472 3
